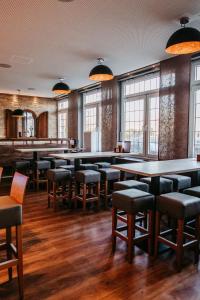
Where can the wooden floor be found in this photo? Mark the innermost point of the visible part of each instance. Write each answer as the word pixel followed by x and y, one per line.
pixel 67 255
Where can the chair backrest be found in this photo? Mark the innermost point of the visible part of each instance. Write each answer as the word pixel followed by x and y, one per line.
pixel 18 187
pixel 1 172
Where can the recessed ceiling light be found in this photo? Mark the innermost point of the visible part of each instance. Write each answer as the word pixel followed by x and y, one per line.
pixel 6 66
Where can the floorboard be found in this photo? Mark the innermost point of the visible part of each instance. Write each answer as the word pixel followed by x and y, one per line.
pixel 67 255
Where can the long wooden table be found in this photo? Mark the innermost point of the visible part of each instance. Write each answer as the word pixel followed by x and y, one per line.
pixel 36 150
pixel 155 169
pixel 77 156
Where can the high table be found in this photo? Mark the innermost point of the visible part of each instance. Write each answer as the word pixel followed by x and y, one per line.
pixel 35 150
pixel 77 156
pixel 155 169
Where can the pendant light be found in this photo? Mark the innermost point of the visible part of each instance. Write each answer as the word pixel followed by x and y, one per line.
pixel 185 40
pixel 18 113
pixel 101 72
pixel 61 88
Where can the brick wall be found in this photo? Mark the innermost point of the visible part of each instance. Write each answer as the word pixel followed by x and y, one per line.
pixel 36 104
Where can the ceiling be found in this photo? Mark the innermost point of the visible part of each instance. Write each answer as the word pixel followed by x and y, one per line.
pixel 47 39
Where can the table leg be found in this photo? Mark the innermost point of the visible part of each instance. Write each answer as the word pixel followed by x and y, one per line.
pixel 77 164
pixel 35 155
pixel 155 185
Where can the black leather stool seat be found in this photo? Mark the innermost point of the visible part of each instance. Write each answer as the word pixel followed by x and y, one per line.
pixel 56 163
pixel 10 212
pixel 178 205
pixel 109 174
pixel 166 185
pixel 68 167
pixel 133 201
pixel 42 164
pixel 180 182
pixel 194 191
pixel 87 176
pixel 58 175
pixel 49 158
pixel 88 167
pixel 103 165
pixel 22 165
pixel 131 184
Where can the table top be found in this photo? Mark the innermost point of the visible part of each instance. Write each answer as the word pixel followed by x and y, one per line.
pixel 70 156
pixel 158 168
pixel 43 149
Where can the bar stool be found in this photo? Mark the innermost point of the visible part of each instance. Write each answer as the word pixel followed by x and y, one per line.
pixel 131 184
pixel 108 177
pixel 56 163
pixel 180 182
pixel 166 185
pixel 180 207
pixel 23 166
pixel 132 201
pixel 68 168
pixel 103 165
pixel 40 172
pixel 59 186
pixel 88 167
pixel 11 216
pixel 87 180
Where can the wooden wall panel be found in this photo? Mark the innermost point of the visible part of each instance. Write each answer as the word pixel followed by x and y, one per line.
pixel 10 125
pixel 110 96
pixel 42 125
pixel 73 112
pixel 174 107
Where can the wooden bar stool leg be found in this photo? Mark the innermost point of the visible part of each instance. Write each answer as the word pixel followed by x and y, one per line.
pixel 98 188
pixel 20 260
pixel 49 191
pixel 106 193
pixel 179 250
pixel 131 233
pixel 150 231
pixel 84 195
pixel 9 251
pixel 114 226
pixel 157 233
pixel 54 196
pixel 197 234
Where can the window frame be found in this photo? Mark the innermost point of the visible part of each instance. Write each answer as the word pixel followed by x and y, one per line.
pixel 146 95
pixel 194 86
pixel 63 110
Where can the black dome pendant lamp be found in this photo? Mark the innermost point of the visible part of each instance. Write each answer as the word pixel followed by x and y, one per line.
pixel 185 40
pixel 61 88
pixel 101 72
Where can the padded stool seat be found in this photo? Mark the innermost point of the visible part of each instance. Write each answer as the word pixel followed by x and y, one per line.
pixel 42 164
pixel 10 212
pixel 88 167
pixel 49 158
pixel 22 165
pixel 133 201
pixel 179 205
pixel 194 191
pixel 68 167
pixel 103 165
pixel 109 174
pixel 56 163
pixel 180 182
pixel 131 184
pixel 166 185
pixel 58 175
pixel 87 176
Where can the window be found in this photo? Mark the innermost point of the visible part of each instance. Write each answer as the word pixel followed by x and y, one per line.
pixel 194 138
pixel 140 114
pixel 63 118
pixel 92 120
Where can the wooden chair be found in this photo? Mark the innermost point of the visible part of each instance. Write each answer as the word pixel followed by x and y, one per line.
pixel 1 172
pixel 11 216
